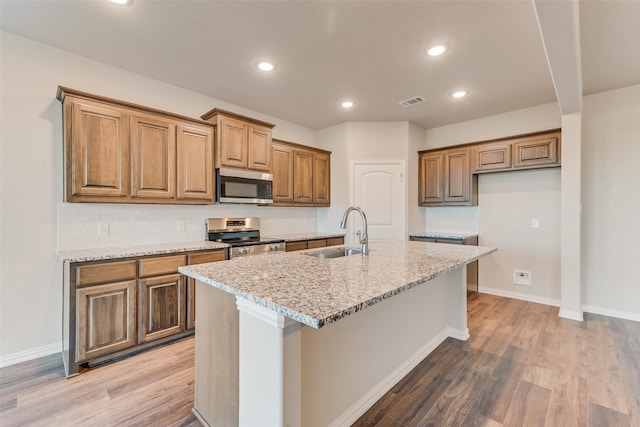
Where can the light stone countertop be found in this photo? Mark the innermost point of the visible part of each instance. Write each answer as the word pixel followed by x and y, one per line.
pixel 317 291
pixel 103 254
pixel 443 235
pixel 295 237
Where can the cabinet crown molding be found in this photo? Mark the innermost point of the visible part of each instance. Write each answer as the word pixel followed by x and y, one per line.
pixel 212 114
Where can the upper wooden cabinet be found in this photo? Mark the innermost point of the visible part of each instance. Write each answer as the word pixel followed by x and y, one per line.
pixel 97 150
pixel 117 152
pixel 241 142
pixel 301 175
pixel 282 173
pixel 321 178
pixel 153 154
pixel 492 157
pixel 535 151
pixel 194 167
pixel 445 178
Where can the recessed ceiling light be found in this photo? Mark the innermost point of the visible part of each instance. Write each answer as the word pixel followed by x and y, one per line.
pixel 436 50
pixel 121 2
pixel 347 104
pixel 459 94
pixel 265 65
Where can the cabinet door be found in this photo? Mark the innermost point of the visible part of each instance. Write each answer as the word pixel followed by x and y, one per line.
pixel 537 151
pixel 492 157
pixel 233 143
pixel 457 179
pixel 431 175
pixel 97 145
pixel 199 258
pixel 282 173
pixel 302 176
pixel 161 306
pixel 321 179
pixel 259 148
pixel 153 157
pixel 106 319
pixel 195 162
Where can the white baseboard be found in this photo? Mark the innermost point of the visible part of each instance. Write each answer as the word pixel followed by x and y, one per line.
pixel 524 297
pixel 571 315
pixel 620 314
pixel 363 404
pixel 459 334
pixel 34 353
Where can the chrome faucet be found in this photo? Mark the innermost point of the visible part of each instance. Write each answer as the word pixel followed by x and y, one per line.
pixel 364 238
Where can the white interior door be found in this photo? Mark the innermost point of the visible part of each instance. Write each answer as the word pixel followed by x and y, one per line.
pixel 379 189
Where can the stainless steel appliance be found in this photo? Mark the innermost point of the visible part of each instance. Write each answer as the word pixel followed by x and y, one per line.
pixel 243 236
pixel 243 186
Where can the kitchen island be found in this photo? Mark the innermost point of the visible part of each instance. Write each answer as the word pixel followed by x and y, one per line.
pixel 292 339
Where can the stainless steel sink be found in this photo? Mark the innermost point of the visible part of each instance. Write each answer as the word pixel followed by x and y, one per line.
pixel 335 253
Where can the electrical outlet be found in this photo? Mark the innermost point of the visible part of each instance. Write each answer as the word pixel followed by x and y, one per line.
pixel 103 229
pixel 535 223
pixel 522 277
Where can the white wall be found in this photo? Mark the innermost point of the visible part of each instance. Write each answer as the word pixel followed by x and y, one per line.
pixel 35 223
pixel 611 202
pixel 358 141
pixel 506 204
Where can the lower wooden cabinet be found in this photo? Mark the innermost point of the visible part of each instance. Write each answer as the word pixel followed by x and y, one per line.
pixel 106 319
pixel 472 268
pixel 117 307
pixel 192 259
pixel 162 306
pixel 300 245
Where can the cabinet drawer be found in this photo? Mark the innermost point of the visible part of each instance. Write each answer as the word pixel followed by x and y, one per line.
pixel 204 257
pixel 319 243
pixel 296 246
pixel 161 265
pixel 335 241
pixel 105 272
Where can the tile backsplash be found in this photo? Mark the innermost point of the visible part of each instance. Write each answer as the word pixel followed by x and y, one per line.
pixel 127 225
pixel 452 219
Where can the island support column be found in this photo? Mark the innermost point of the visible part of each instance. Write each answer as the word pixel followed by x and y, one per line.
pixel 269 368
pixel 457 302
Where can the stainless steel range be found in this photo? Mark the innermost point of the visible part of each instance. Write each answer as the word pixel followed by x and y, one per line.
pixel 243 236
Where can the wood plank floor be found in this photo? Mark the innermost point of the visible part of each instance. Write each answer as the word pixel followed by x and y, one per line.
pixel 522 366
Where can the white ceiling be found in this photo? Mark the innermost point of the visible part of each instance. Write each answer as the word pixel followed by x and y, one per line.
pixel 327 51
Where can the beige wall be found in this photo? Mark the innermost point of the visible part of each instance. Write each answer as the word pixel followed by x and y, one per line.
pixel 507 202
pixel 611 202
pixel 35 223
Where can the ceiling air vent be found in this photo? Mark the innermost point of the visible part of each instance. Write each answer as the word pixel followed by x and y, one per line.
pixel 411 101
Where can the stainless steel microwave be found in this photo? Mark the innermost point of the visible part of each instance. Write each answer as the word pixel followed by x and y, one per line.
pixel 243 186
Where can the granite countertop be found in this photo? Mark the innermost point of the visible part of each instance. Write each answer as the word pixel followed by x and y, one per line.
pixel 317 291
pixel 103 254
pixel 295 237
pixel 443 235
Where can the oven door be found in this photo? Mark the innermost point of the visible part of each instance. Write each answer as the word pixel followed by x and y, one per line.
pixel 240 186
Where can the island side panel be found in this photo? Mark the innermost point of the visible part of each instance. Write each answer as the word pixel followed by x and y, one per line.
pixel 270 377
pixel 348 365
pixel 457 302
pixel 216 365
